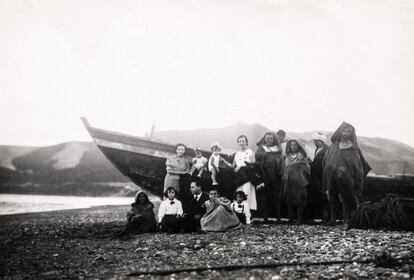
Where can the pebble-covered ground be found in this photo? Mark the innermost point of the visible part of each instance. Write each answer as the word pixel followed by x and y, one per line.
pixel 78 244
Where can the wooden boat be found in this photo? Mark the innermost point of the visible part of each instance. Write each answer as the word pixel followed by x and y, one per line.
pixel 139 158
pixel 143 161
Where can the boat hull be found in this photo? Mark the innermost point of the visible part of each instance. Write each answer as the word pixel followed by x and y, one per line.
pixel 144 170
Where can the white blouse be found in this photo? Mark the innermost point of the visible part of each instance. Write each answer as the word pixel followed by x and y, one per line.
pixel 241 156
pixel 242 208
pixel 270 149
pixel 170 207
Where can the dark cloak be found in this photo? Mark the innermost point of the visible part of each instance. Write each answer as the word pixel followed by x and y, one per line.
pixel 316 194
pixel 141 217
pixel 344 170
pixel 271 162
pixel 271 167
pixel 296 177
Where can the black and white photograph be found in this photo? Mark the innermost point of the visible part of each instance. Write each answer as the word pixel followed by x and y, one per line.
pixel 205 139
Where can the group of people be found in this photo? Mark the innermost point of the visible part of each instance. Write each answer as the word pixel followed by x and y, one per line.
pixel 198 194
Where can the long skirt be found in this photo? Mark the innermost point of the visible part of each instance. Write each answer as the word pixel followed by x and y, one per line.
pixel 140 224
pixel 250 191
pixel 220 219
pixel 172 180
pixel 171 224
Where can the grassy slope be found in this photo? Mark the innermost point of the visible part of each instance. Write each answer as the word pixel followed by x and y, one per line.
pixel 9 152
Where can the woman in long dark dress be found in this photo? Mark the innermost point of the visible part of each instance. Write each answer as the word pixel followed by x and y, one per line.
pixel 317 197
pixel 270 160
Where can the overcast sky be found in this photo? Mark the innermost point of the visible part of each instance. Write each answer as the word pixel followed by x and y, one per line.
pixel 300 65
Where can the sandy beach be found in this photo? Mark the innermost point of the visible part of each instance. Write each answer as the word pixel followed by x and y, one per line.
pixel 79 244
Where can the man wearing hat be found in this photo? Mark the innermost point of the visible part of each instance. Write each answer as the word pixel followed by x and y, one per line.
pixel 317 196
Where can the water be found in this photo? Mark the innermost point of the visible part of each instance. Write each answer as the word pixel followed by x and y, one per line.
pixel 21 203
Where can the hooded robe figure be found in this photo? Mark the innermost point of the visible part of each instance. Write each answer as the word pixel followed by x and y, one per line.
pixel 295 180
pixel 141 217
pixel 344 170
pixel 270 161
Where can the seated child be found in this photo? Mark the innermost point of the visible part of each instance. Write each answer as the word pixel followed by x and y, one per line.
pixel 214 162
pixel 219 215
pixel 199 163
pixel 141 217
pixel 170 212
pixel 241 207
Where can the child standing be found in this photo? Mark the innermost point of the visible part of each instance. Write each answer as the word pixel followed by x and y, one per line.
pixel 214 162
pixel 199 163
pixel 241 207
pixel 170 212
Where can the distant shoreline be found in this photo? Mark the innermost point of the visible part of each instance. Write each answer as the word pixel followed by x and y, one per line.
pixel 72 189
pixel 12 204
pixel 62 211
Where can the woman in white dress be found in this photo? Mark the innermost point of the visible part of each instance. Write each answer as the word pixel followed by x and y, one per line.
pixel 240 158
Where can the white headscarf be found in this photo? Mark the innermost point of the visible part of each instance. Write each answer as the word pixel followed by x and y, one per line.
pixel 319 136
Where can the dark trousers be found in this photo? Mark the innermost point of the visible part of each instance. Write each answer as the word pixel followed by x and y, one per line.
pixel 190 224
pixel 171 224
pixel 242 217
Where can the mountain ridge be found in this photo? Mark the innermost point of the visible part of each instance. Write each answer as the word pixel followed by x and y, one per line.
pixel 82 163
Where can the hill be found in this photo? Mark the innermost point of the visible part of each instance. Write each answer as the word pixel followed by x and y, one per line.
pixel 385 156
pixel 8 153
pixel 73 168
pixel 203 138
pixel 81 168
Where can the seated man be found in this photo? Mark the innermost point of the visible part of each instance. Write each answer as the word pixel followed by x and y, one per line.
pixel 195 210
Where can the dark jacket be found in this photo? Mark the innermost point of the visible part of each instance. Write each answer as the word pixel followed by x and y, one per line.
pixel 197 206
pixel 316 164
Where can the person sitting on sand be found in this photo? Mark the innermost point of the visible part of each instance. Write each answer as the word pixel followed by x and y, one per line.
pixel 199 163
pixel 219 215
pixel 241 207
pixel 170 212
pixel 214 162
pixel 141 217
pixel 192 216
